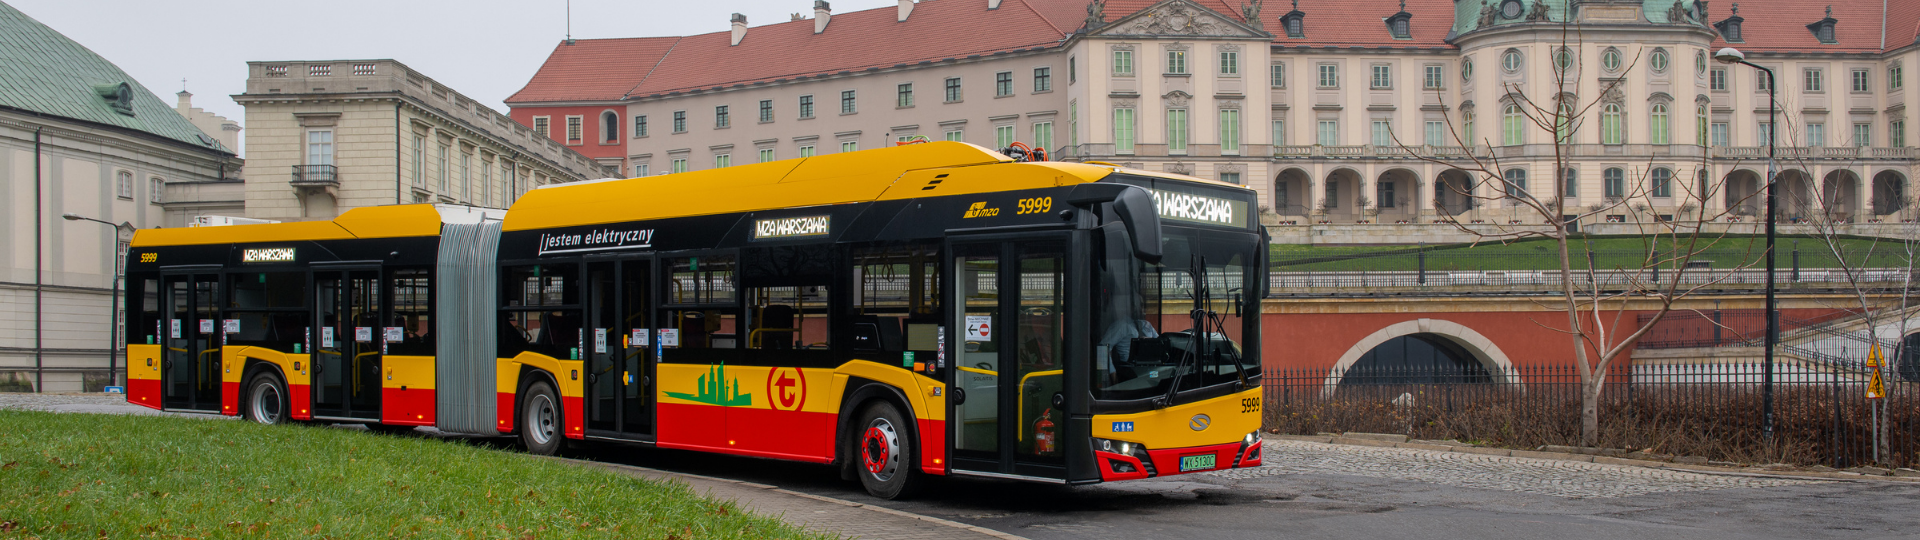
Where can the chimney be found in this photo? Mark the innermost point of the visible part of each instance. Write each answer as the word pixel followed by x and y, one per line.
pixel 906 8
pixel 739 28
pixel 993 4
pixel 822 14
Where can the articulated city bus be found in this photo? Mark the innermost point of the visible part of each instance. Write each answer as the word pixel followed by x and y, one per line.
pixel 933 308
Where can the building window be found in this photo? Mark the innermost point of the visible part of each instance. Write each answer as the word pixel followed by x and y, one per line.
pixel 1123 130
pixel 1382 77
pixel 1433 79
pixel 1562 59
pixel 1003 84
pixel 466 176
pixel 1329 76
pixel 1382 133
pixel 953 89
pixel 1658 61
pixel 1436 133
pixel 1662 182
pixel 1176 62
pixel 955 135
pixel 1295 27
pixel 639 126
pixel 806 106
pixel 320 147
pixel 1466 69
pixel 156 190
pixel 1072 73
pixel 639 170
pixel 1384 193
pixel 1230 131
pixel 903 95
pixel 1863 135
pixel 1230 177
pixel 123 185
pixel 1895 80
pixel 1176 131
pixel 678 166
pixel 1043 135
pixel 1897 133
pixel 722 119
pixel 1699 63
pixel 1569 182
pixel 1002 136
pixel 849 146
pixel 1401 29
pixel 1657 129
pixel 1612 128
pixel 1700 124
pixel 766 155
pixel 1762 82
pixel 610 126
pixel 847 102
pixel 543 125
pixel 1123 63
pixel 1042 79
pixel 442 164
pixel 1816 135
pixel 1859 80
pixel 1333 194
pixel 722 160
pixel 574 128
pixel 806 151
pixel 1614 182
pixel 1721 135
pixel 1073 124
pixel 1229 63
pixel 1466 128
pixel 1563 124
pixel 1512 126
pixel 1516 183
pixel 486 183
pixel 420 161
pixel 1764 135
pixel 1278 75
pixel 1813 80
pixel 1329 133
pixel 1717 79
pixel 679 121
pixel 1510 61
pixel 1279 132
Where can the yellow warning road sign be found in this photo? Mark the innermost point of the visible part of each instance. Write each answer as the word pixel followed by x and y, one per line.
pixel 1876 388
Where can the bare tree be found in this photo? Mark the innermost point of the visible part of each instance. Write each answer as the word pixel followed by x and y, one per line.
pixel 1595 300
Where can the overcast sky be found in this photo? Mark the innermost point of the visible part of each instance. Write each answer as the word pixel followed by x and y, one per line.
pixel 486 49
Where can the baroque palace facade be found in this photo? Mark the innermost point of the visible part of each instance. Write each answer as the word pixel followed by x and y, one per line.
pixel 1344 114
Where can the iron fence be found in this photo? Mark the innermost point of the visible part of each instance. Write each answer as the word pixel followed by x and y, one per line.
pixel 1709 409
pixel 1417 270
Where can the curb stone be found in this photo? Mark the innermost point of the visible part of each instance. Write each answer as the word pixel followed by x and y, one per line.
pixel 1817 471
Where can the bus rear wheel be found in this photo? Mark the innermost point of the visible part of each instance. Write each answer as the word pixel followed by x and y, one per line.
pixel 266 399
pixel 883 450
pixel 540 419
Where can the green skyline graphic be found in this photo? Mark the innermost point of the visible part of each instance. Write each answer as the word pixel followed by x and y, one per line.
pixel 714 389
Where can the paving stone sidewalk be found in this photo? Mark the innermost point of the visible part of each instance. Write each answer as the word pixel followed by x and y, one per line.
pixel 1572 479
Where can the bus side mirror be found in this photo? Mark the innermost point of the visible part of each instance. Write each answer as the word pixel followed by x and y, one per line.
pixel 1136 210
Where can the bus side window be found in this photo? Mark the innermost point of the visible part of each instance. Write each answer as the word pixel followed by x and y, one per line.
pixel 540 311
pixel 896 302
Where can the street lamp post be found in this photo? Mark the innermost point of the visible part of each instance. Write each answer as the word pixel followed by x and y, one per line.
pixel 1729 55
pixel 113 308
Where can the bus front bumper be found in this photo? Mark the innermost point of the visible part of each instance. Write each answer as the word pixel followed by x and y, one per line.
pixel 1141 462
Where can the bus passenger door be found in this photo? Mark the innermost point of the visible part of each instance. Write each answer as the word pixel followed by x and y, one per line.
pixel 1007 343
pixel 347 348
pixel 618 356
pixel 190 374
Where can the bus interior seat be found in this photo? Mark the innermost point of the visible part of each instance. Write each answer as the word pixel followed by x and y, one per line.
pixel 876 333
pixel 772 318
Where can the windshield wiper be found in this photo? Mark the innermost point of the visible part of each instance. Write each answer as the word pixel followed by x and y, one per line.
pixel 1201 340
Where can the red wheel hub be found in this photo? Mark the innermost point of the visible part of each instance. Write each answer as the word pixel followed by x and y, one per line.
pixel 875 451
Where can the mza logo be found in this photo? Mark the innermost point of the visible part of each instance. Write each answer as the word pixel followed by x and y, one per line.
pixel 980 209
pixel 786 389
pixel 149 257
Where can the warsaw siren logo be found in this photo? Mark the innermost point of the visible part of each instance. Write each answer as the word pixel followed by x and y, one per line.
pixel 786 389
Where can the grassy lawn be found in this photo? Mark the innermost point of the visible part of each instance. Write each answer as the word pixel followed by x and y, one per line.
pixel 1609 252
pixel 85 475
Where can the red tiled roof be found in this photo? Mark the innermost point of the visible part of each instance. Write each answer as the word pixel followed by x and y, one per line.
pixel 1343 23
pixel 1781 26
pixel 1903 24
pixel 594 69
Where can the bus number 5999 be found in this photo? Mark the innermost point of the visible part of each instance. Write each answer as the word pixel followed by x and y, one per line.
pixel 1251 404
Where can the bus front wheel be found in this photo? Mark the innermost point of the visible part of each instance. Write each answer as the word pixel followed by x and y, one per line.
pixel 883 450
pixel 266 399
pixel 540 419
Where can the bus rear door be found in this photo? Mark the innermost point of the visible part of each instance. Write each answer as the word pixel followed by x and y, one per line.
pixel 1007 343
pixel 619 354
pixel 347 352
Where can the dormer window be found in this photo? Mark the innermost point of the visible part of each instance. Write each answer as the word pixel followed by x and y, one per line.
pixel 1400 24
pixel 1294 25
pixel 1823 29
pixel 118 96
pixel 1730 27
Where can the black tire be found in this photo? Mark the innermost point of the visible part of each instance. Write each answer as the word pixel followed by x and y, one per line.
pixel 267 401
pixel 539 419
pixel 883 452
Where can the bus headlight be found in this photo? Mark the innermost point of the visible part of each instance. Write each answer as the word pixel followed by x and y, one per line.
pixel 1253 438
pixel 1112 446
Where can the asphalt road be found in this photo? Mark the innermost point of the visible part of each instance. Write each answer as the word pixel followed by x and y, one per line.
pixel 1329 491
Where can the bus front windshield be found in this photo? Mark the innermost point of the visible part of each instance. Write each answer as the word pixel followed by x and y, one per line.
pixel 1176 324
